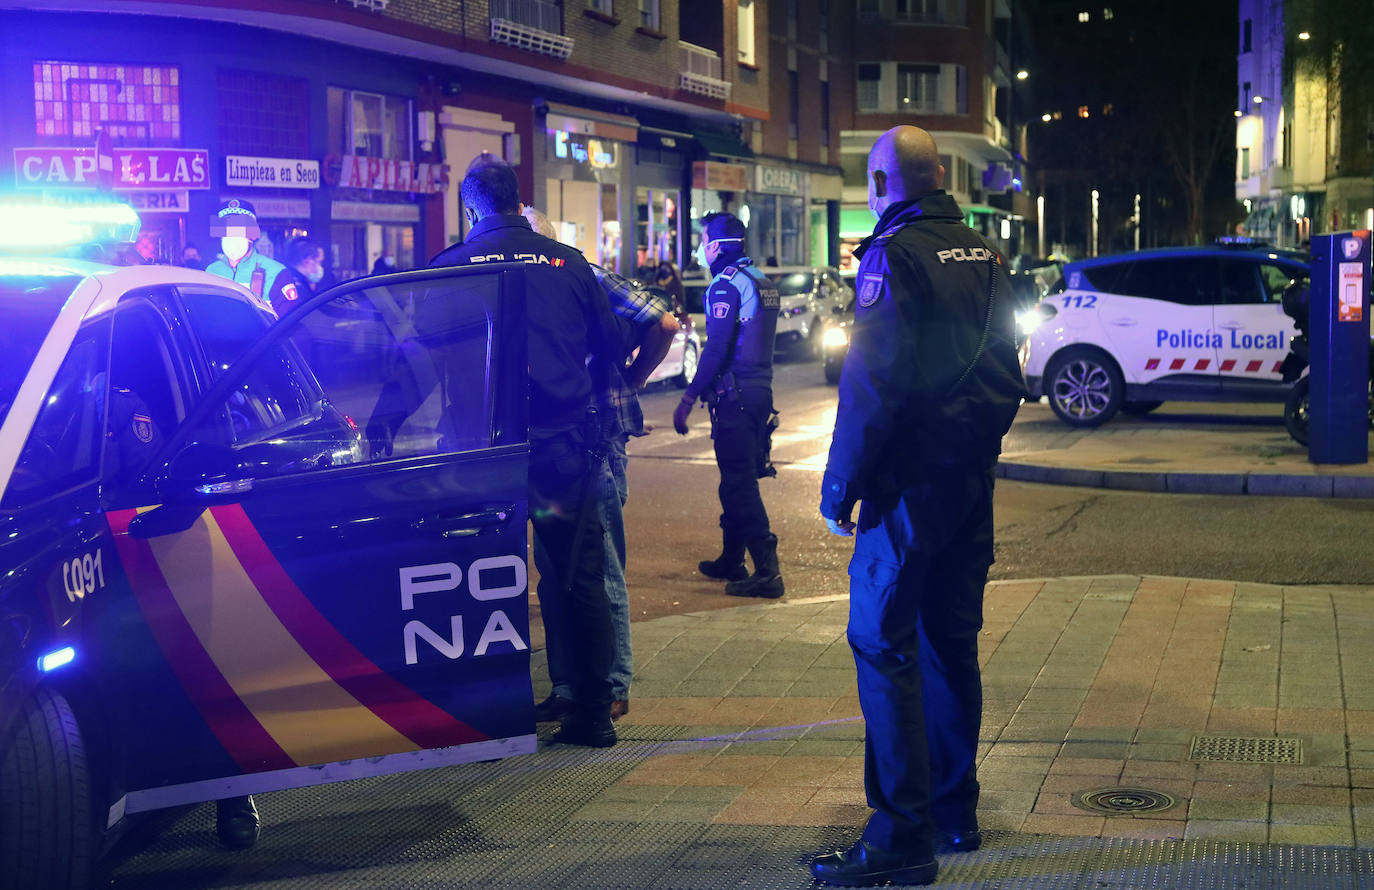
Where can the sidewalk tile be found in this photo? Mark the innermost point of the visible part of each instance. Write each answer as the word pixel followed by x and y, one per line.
pixel 1311 795
pixel 1145 829
pixel 1209 809
pixel 1322 835
pixel 1302 814
pixel 1073 826
pixel 1231 791
pixel 1232 832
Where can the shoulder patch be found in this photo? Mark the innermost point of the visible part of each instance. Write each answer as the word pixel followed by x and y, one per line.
pixel 720 310
pixel 143 428
pixel 729 271
pixel 870 288
pixel 289 291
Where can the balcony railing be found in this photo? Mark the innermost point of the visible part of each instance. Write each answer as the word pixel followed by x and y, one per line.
pixel 534 25
pixel 701 71
pixel 374 5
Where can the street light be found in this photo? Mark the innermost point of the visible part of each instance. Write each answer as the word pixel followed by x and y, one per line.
pixel 1022 74
pixel 1046 117
pixel 1304 35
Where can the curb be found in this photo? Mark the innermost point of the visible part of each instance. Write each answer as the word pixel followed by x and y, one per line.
pixel 1263 484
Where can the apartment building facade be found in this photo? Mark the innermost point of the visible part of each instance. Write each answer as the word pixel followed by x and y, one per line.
pixel 352 122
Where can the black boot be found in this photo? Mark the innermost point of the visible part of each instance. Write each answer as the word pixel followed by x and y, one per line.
pixel 766 581
pixel 236 822
pixel 729 566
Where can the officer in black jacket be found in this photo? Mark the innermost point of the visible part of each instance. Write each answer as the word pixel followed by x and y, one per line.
pixel 929 387
pixel 736 377
pixel 570 321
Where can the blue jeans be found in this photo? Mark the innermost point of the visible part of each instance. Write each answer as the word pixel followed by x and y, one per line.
pixel 613 490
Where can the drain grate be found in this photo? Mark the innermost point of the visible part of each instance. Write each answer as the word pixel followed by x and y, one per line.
pixel 1233 750
pixel 1118 801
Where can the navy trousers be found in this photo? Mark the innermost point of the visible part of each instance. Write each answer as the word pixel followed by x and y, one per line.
pixel 915 609
pixel 739 428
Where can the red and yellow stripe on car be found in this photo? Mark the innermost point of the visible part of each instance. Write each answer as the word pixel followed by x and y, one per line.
pixel 276 682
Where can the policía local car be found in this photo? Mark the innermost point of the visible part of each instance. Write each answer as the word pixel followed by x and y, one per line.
pixel 213 580
pixel 1128 332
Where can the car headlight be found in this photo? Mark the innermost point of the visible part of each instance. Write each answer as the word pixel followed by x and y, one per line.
pixel 1027 320
pixel 834 338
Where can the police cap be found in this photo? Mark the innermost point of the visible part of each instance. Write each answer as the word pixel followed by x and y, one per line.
pixel 234 214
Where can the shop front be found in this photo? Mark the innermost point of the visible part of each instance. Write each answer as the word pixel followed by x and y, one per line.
pixel 777 217
pixel 586 155
pixel 658 175
pixel 279 190
pixel 717 187
pixel 375 212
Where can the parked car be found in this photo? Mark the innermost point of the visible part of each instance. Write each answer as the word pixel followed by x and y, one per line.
pixel 218 575
pixel 1127 332
pixel 808 296
pixel 679 366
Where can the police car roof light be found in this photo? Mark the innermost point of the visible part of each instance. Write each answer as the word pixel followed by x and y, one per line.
pixel 54 660
pixel 31 225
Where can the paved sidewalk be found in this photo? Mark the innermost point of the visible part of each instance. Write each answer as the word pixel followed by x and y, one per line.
pixel 742 756
pixel 1181 447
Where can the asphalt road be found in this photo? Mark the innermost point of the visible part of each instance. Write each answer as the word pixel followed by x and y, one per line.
pixel 1042 530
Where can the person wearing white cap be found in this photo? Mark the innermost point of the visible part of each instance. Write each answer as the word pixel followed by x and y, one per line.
pixel 236 225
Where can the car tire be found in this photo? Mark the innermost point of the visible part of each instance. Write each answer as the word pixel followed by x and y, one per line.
pixel 832 372
pixel 1085 387
pixel 814 339
pixel 689 366
pixel 1139 409
pixel 48 832
pixel 1296 407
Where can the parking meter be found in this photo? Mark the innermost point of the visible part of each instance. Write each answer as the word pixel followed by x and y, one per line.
pixel 1338 416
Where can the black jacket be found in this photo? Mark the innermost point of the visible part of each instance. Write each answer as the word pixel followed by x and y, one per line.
pixel 568 315
pixel 916 395
pixel 741 322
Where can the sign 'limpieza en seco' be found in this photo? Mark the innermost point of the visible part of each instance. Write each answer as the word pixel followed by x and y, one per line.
pixel 291 173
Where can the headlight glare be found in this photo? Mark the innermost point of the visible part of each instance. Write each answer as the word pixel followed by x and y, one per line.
pixel 834 338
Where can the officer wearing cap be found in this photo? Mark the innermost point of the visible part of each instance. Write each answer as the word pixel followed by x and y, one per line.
pixel 736 378
pixel 930 385
pixel 236 225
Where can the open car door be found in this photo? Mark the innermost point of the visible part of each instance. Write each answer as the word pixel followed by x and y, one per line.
pixel 327 560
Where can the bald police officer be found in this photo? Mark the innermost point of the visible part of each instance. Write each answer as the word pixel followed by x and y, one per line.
pixel 930 385
pixel 736 378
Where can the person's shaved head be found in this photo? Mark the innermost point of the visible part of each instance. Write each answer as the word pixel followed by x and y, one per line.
pixel 903 164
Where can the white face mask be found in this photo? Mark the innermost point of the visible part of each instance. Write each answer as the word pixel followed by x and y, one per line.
pixel 701 255
pixel 235 247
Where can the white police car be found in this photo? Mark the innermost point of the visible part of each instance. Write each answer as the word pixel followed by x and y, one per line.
pixel 215 579
pixel 1131 331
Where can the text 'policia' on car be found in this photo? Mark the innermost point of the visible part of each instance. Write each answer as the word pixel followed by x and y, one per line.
pixel 213 580
pixel 1128 332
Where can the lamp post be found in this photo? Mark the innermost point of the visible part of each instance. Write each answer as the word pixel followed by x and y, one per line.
pixel 1092 248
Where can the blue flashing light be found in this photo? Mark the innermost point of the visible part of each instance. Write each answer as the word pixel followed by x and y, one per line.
pixel 54 660
pixel 1016 183
pixel 29 225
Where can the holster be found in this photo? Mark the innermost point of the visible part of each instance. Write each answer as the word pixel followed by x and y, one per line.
pixel 766 467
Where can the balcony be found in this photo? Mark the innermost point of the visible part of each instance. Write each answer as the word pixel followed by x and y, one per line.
pixel 533 25
pixel 701 71
pixel 373 5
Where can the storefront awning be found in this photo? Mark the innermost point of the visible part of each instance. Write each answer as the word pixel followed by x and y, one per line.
pixel 590 122
pixel 720 142
pixel 657 137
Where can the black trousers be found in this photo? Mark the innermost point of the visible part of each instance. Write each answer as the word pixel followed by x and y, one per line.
pixel 738 427
pixel 915 608
pixel 564 512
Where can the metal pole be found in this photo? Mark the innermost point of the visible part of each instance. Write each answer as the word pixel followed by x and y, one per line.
pixel 1040 225
pixel 1092 248
pixel 1135 221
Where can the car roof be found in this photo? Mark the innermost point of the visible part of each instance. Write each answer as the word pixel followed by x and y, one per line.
pixel 1272 253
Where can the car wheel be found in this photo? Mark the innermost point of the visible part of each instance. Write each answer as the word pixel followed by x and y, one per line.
pixel 1085 387
pixel 689 366
pixel 47 830
pixel 1296 408
pixel 1139 409
pixel 814 339
pixel 832 371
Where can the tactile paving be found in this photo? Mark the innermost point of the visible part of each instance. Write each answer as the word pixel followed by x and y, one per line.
pixel 513 824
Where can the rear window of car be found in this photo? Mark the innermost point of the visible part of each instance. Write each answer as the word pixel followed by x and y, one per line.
pixel 30 301
pixel 1109 278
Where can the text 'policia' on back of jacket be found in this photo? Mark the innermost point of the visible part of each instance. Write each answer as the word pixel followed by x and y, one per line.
pixel 927 278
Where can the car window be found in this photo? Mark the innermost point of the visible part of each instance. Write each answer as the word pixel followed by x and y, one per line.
pixel 1109 278
pixel 1192 281
pixel 1276 277
pixel 794 283
pixel 147 391
pixel 31 295
pixel 63 448
pixel 1240 281
pixel 393 371
pixel 225 324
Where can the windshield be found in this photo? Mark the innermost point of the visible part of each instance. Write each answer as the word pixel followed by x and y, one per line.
pixel 794 283
pixel 30 298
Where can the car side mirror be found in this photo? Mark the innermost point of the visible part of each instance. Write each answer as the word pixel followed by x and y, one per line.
pixel 203 474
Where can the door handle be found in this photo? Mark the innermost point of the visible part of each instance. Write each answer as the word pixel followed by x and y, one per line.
pixel 1123 322
pixel 462 525
pixel 1232 326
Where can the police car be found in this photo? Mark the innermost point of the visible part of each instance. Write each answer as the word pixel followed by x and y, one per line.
pixel 217 577
pixel 1128 332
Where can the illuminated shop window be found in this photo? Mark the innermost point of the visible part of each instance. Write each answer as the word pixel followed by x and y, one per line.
pixel 135 103
pixel 1082 111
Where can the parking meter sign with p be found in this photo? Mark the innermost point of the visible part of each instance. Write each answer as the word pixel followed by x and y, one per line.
pixel 1339 420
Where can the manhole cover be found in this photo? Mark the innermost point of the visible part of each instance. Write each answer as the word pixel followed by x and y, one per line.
pixel 1239 750
pixel 1114 801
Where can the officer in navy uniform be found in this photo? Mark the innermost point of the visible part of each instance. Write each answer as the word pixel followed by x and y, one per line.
pixel 736 378
pixel 573 335
pixel 929 387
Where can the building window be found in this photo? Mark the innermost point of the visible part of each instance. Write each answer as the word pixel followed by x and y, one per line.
pixel 605 7
pixel 648 14
pixel 1107 14
pixel 793 104
pixel 263 114
pixel 369 124
pixel 1082 111
pixel 1245 98
pixel 869 10
pixel 1085 17
pixel 135 104
pixel 1245 163
pixel 825 113
pixel 746 31
pixel 924 11
pixel 1245 36
pixel 870 80
pixel 918 87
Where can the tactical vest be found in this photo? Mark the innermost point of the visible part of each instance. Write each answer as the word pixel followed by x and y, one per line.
pixel 752 351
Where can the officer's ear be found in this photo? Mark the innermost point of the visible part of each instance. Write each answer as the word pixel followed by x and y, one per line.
pixel 879 183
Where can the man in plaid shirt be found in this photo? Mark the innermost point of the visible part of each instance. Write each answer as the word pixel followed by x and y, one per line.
pixel 618 402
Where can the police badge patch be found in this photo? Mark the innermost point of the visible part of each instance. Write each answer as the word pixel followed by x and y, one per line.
pixel 870 289
pixel 720 310
pixel 143 428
